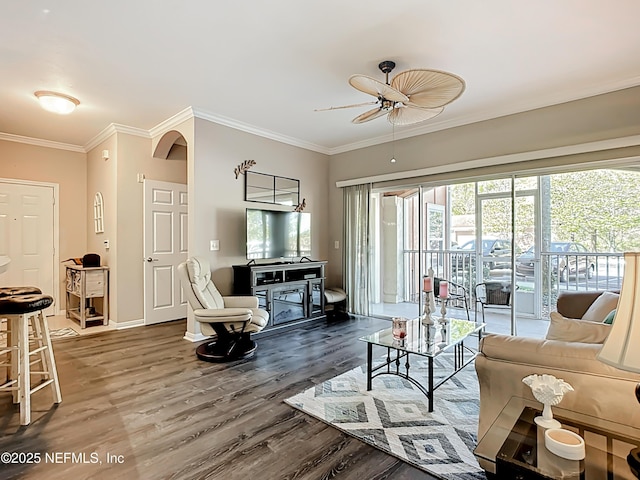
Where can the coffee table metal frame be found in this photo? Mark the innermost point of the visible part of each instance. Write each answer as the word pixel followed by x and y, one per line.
pixel 428 344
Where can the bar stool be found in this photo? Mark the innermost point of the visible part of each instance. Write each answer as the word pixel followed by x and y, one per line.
pixel 5 329
pixel 8 291
pixel 22 312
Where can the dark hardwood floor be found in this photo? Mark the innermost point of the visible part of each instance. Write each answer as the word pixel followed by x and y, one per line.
pixel 142 399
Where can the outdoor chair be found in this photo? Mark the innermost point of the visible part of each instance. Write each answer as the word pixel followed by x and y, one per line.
pixel 458 296
pixel 492 294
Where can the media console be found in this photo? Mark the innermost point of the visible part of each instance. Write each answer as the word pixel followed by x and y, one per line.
pixel 292 293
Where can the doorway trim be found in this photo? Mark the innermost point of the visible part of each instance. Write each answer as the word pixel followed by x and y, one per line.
pixel 56 234
pixel 175 196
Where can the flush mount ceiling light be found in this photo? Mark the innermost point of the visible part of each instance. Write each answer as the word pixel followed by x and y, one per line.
pixel 57 102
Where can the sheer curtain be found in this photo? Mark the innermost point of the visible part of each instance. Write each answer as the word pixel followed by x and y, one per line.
pixel 357 247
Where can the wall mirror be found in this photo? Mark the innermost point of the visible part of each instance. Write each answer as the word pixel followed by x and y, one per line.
pixel 98 213
pixel 265 188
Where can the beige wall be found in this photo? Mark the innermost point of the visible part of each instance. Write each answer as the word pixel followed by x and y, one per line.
pixel 69 171
pixel 101 177
pixel 116 178
pixel 603 117
pixel 216 198
pixel 217 208
pixel 135 156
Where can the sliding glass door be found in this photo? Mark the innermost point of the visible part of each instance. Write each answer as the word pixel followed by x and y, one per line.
pixel 411 236
pixel 535 236
pixel 508 224
pixel 466 234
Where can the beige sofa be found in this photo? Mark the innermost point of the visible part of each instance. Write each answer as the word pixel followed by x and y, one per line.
pixel 599 390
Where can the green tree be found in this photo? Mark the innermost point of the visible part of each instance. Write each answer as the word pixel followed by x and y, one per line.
pixel 598 208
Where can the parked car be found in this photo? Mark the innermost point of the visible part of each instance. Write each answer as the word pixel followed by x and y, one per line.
pixel 567 259
pixel 491 247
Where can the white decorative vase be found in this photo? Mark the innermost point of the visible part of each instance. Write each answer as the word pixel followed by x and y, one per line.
pixel 549 391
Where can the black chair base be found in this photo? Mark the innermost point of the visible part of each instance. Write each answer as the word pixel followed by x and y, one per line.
pixel 229 351
pixel 338 314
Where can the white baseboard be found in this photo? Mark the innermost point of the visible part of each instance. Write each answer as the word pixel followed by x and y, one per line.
pixel 129 324
pixel 194 338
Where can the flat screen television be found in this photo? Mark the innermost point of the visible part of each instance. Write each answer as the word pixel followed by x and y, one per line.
pixel 274 234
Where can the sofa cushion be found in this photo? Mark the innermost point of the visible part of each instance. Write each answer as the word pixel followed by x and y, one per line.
pixel 601 307
pixel 575 357
pixel 574 330
pixel 609 318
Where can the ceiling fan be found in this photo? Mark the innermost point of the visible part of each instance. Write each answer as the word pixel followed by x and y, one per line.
pixel 413 96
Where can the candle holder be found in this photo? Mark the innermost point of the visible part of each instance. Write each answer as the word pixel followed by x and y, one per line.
pixel 443 310
pixel 427 319
pixel 399 328
pixel 426 316
pixel 444 294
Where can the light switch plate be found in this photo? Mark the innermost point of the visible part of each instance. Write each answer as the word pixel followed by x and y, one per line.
pixel 214 245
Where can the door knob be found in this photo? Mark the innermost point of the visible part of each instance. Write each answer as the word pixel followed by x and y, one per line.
pixel 149 259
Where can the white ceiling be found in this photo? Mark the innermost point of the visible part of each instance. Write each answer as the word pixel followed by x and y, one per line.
pixel 265 66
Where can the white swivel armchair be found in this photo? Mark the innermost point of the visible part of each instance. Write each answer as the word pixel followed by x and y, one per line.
pixel 231 319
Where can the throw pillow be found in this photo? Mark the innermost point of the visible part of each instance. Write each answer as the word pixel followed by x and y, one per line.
pixel 609 318
pixel 601 307
pixel 574 330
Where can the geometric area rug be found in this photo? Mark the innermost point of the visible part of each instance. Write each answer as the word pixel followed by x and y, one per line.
pixel 63 333
pixel 394 416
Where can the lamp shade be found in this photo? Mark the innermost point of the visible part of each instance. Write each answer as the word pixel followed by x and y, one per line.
pixel 621 350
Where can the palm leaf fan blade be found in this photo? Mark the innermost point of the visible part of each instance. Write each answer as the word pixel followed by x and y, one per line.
pixel 428 88
pixel 410 115
pixel 369 115
pixel 376 88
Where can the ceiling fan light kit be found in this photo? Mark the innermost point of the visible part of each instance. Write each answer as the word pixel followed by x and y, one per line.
pixel 412 96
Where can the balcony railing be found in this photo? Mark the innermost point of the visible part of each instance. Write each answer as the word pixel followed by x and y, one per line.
pixel 552 273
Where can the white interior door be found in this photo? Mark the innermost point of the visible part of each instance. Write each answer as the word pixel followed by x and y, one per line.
pixel 165 247
pixel 27 237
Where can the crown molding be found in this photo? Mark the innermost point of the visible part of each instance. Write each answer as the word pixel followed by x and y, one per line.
pixel 112 129
pixel 9 137
pixel 190 112
pixel 521 107
pixel 245 127
pixel 172 122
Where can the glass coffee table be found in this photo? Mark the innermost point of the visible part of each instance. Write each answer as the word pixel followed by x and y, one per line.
pixel 425 343
pixel 513 447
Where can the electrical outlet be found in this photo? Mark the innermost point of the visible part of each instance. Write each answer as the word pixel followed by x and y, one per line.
pixel 214 245
pixel 336 245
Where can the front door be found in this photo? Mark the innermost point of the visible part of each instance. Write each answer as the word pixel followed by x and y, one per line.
pixel 27 213
pixel 165 247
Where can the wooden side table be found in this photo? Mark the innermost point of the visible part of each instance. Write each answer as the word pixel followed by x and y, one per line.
pixel 83 286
